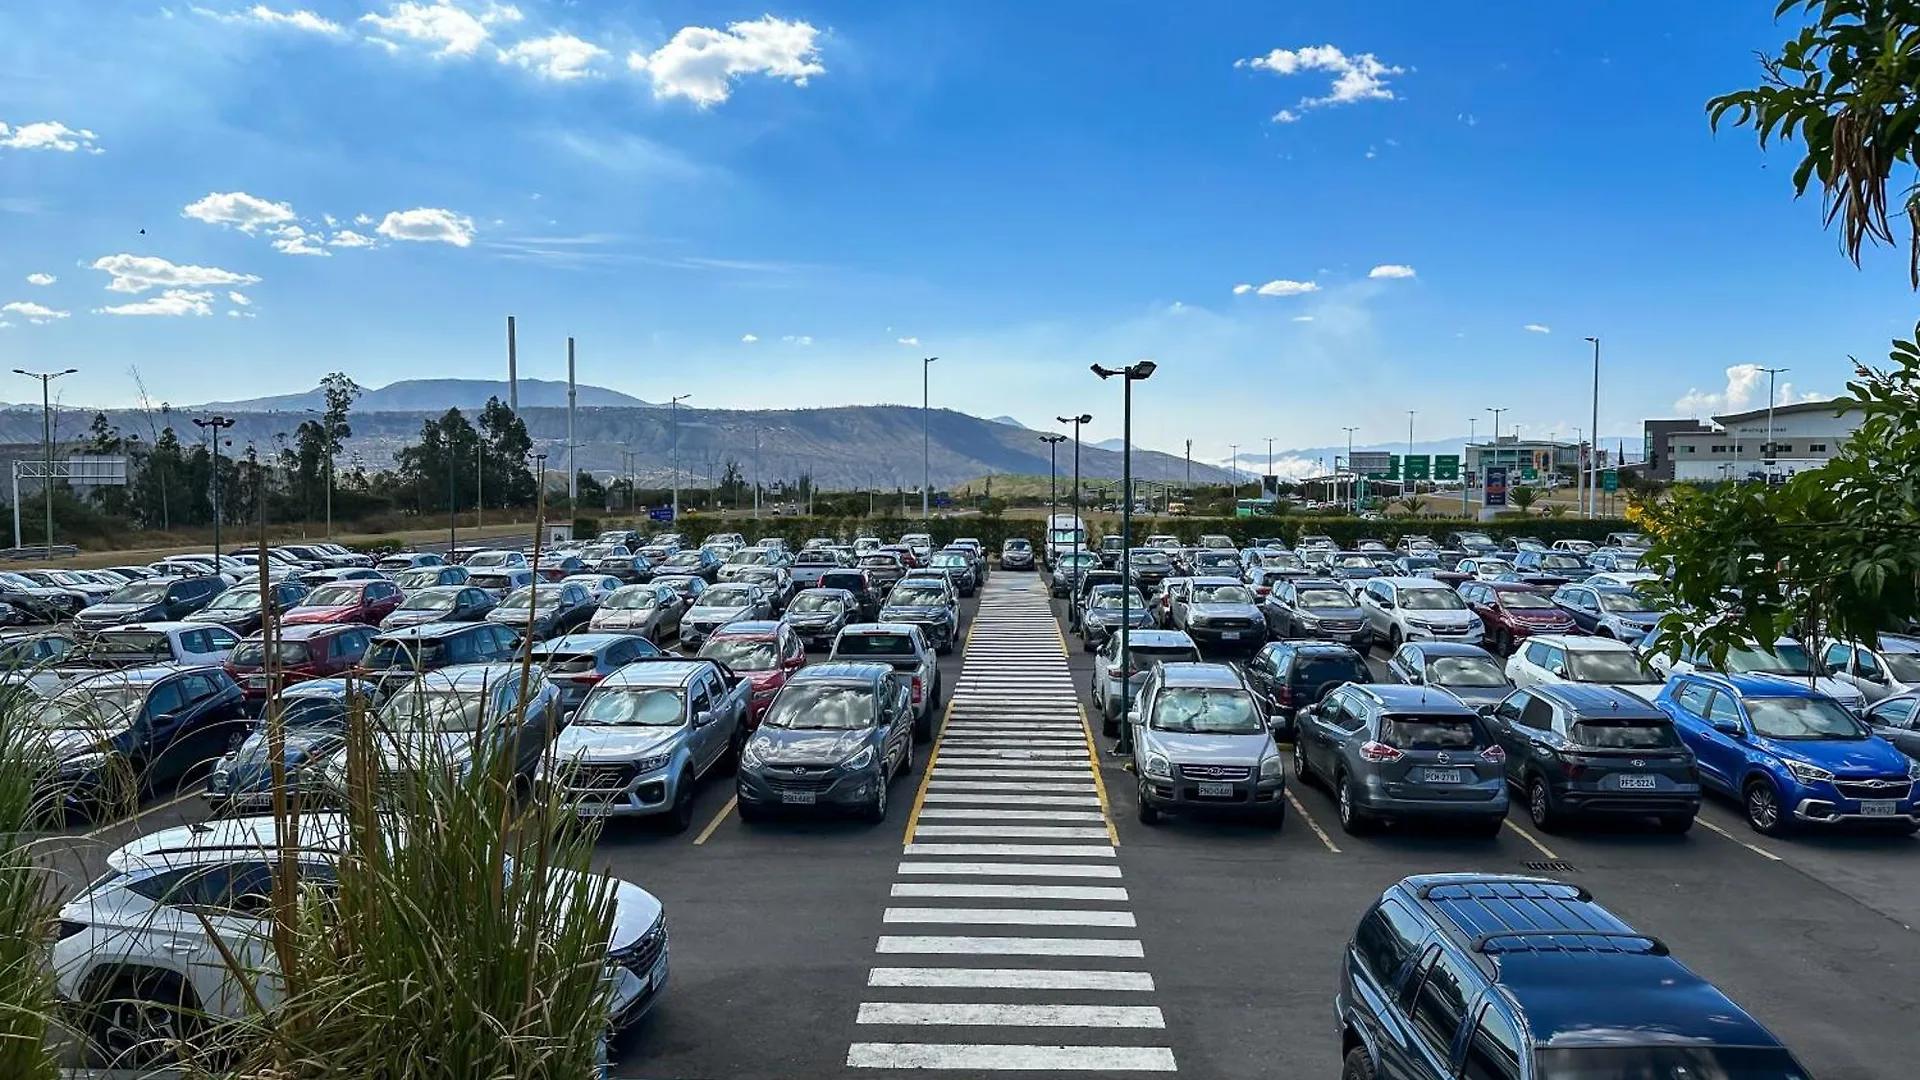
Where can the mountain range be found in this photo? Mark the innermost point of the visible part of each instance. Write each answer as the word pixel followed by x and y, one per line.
pixel 418 395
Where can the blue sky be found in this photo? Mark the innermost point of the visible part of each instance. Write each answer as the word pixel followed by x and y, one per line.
pixel 1020 189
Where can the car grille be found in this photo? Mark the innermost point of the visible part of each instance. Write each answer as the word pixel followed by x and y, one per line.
pixel 798 778
pixel 1346 627
pixel 1217 623
pixel 1216 772
pixel 702 629
pixel 1874 789
pixel 640 957
pixel 610 777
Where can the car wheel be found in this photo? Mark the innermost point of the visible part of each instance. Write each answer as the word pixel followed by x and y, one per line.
pixel 1540 806
pixel 1275 817
pixel 1149 813
pixel 1502 642
pixel 680 817
pixel 1357 1066
pixel 1762 805
pixel 906 761
pixel 1352 819
pixel 1676 824
pixel 1109 726
pixel 1393 639
pixel 876 811
pixel 140 1022
pixel 750 813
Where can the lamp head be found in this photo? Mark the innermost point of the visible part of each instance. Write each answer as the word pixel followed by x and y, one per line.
pixel 1142 370
pixel 1104 372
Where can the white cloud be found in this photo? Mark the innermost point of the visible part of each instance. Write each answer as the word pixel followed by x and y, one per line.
pixel 172 302
pixel 232 314
pixel 797 339
pixel 1743 380
pixel 560 57
pixel 908 340
pixel 1303 318
pixel 1360 77
pixel 363 219
pixel 1284 287
pixel 292 20
pixel 1242 290
pixel 138 273
pixel 241 299
pixel 700 63
pixel 239 210
pixel 294 240
pixel 451 29
pixel 347 238
pixel 37 314
pixel 47 135
pixel 1391 270
pixel 1536 328
pixel 428 225
pixel 41 279
pixel 748 339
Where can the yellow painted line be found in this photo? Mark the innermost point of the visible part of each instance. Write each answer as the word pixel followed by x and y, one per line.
pixel 1312 824
pixel 926 770
pixel 1099 783
pixel 732 802
pixel 1757 850
pixel 1529 837
pixel 112 825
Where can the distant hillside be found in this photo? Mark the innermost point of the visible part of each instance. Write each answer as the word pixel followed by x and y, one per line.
pixel 438 395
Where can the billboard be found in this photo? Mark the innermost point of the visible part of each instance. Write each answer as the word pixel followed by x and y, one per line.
pixel 660 513
pixel 1496 485
pixel 1370 462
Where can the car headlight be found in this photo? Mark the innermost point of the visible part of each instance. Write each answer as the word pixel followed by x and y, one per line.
pixel 1159 768
pixel 1270 767
pixel 1474 623
pixel 1807 774
pixel 750 754
pixel 82 763
pixel 859 761
pixel 649 764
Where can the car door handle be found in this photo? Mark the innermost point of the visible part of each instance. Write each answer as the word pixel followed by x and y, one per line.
pixel 180 946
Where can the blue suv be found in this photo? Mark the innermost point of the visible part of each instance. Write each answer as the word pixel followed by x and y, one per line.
pixel 1493 977
pixel 1789 753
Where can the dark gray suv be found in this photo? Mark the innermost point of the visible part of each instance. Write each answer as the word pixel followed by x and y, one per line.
pixel 1582 750
pixel 1390 752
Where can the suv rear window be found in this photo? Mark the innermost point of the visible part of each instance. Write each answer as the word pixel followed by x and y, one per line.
pixel 1145 656
pixel 1628 733
pixel 1310 670
pixel 873 645
pixel 1432 732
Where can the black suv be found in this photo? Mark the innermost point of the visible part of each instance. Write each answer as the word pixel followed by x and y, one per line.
pixel 1293 675
pixel 1493 977
pixel 1581 749
pixel 153 600
pixel 396 656
pixel 1110 549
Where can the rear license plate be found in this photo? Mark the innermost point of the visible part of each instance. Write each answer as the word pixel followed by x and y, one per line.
pixel 256 682
pixel 797 798
pixel 1638 782
pixel 1216 791
pixel 1441 776
pixel 1229 635
pixel 1879 807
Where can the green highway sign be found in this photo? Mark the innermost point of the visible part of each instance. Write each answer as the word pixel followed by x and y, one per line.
pixel 1446 467
pixel 1529 473
pixel 1610 480
pixel 1420 467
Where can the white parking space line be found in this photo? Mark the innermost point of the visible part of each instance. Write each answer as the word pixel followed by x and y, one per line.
pixel 981 1057
pixel 1007 869
pixel 1756 849
pixel 1009 946
pixel 972 798
pixel 974 1015
pixel 1312 824
pixel 995 814
pixel 1011 979
pixel 967 890
pixel 1531 839
pixel 1004 785
pixel 1014 832
pixel 1011 917
pixel 1036 772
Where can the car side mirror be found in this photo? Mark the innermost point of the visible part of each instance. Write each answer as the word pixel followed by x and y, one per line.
pixel 703 718
pixel 1384 601
pixel 1729 727
pixel 1134 717
pixel 1416 678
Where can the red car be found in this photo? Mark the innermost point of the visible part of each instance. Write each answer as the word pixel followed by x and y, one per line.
pixel 346 602
pixel 766 653
pixel 307 651
pixel 1513 611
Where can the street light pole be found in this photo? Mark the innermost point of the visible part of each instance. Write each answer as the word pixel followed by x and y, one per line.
pixel 1406 467
pixel 1767 450
pixel 926 453
pixel 1080 531
pixel 1053 495
pixel 214 425
pixel 46 435
pixel 1263 480
pixel 1593 459
pixel 1138 371
pixel 1353 485
pixel 673 419
pixel 1233 471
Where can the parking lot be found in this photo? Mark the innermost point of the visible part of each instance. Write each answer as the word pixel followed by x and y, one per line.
pixel 1207 947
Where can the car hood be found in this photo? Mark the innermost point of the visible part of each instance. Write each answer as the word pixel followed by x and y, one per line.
pixel 223 618
pixel 702 612
pixel 1337 614
pixel 780 746
pixel 1212 749
pixel 607 742
pixel 1842 757
pixel 250 768
pixel 518 616
pixel 1223 611
pixel 124 612
pixel 65 743
pixel 1447 618
pixel 414 617
pixel 1475 696
pixel 913 612
pixel 614 617
pixel 414 749
pixel 811 618
pixel 1136 615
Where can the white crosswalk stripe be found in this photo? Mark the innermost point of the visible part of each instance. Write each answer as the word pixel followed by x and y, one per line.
pixel 1011 833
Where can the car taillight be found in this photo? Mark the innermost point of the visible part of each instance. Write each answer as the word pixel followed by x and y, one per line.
pixel 1495 753
pixel 1379 752
pixel 1284 696
pixel 62 929
pixel 1114 671
pixel 916 689
pixel 588 677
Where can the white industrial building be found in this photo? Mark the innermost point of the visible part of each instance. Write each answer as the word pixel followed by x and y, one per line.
pixel 1805 436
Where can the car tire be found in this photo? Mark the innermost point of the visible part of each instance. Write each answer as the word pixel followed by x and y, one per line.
pixel 1353 820
pixel 135 1022
pixel 680 815
pixel 1149 814
pixel 1503 642
pixel 875 812
pixel 1676 824
pixel 1541 808
pixel 1357 1066
pixel 1275 818
pixel 923 727
pixel 1393 639
pixel 1760 803
pixel 1302 768
pixel 750 813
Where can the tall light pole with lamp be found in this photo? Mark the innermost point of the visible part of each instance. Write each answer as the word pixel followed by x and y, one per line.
pixel 1406 467
pixel 1053 493
pixel 213 425
pixel 1080 530
pixel 1353 478
pixel 926 445
pixel 46 436
pixel 1593 460
pixel 1766 451
pixel 1139 371
pixel 673 420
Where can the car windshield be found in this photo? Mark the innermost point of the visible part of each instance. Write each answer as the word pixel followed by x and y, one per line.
pixel 880 560
pixel 1105 600
pixel 1492 566
pixel 1802 718
pixel 1149 559
pixel 422 578
pixel 1609 666
pixel 1903 666
pixel 1325 598
pixel 313 713
pixel 1469 671
pixel 1626 733
pixel 1206 711
pixel 91 707
pixel 1432 732
pixel 235 600
pixel 873 645
pixel 633 599
pixel 1786 658
pixel 632 706
pixel 1431 600
pixel 1221 594
pixel 809 603
pixel 1525 599
pixel 811 706
pixel 1353 562
pixel 1078 560
pixel 489 558
pixel 1419 562
pixel 253 653
pixel 1666 1062
pixel 1622 603
pixel 1625 562
pixel 1017 545
pixel 389 654
pixel 431 600
pixel 1561 562
pixel 130 643
pixel 743 653
pixel 1143 657
pixel 726 596
pixel 141 592
pixel 1282 560
pixel 917 596
pixel 944 559
pixel 333 596
pixel 531 595
pixel 417 709
pixel 747 558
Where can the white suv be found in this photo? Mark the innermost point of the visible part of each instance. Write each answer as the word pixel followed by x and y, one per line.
pixel 1569 658
pixel 135 957
pixel 1403 609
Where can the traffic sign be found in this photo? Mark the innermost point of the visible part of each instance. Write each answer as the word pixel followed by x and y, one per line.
pixel 1446 467
pixel 1610 480
pixel 1373 463
pixel 660 513
pixel 1529 474
pixel 1496 485
pixel 1420 467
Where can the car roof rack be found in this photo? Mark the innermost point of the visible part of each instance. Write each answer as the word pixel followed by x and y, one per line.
pixel 1507 887
pixel 1484 943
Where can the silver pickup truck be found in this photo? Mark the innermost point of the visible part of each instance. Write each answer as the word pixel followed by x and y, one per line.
pixel 645 736
pixel 904 648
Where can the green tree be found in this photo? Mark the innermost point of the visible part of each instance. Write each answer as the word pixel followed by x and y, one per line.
pixel 1523 498
pixel 440 466
pixel 591 491
pixel 509 474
